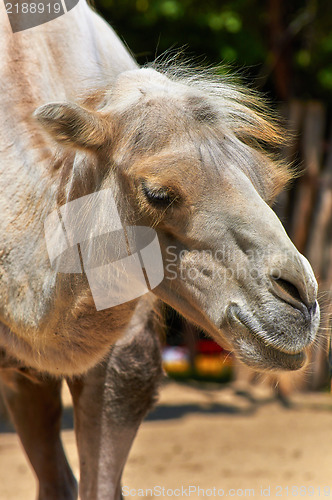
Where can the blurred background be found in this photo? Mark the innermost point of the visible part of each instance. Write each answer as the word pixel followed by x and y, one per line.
pixel 284 49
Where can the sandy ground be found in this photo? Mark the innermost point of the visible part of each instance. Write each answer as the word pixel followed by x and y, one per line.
pixel 209 438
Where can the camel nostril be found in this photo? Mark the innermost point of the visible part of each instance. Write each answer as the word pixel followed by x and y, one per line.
pixel 289 293
pixel 289 288
pixel 313 308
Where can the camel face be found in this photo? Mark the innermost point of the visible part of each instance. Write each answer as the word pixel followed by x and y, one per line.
pixel 185 157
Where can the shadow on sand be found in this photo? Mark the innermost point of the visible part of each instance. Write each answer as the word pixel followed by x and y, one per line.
pixel 178 410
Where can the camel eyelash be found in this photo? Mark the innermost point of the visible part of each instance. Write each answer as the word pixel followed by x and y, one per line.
pixel 160 197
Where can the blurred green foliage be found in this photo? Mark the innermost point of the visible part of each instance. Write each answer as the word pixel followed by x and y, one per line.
pixel 285 46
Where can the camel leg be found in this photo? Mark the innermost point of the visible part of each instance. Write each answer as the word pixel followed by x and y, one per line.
pixel 35 409
pixel 110 402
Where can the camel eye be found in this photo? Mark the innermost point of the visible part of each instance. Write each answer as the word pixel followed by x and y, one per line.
pixel 160 197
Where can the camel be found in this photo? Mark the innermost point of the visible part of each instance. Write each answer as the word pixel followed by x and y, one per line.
pixel 183 153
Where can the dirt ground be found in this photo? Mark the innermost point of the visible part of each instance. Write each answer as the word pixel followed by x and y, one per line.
pixel 207 441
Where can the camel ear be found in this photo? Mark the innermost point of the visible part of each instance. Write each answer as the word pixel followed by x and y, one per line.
pixel 72 125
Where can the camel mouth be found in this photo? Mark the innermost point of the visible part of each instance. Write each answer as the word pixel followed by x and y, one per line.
pixel 267 358
pixel 252 348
